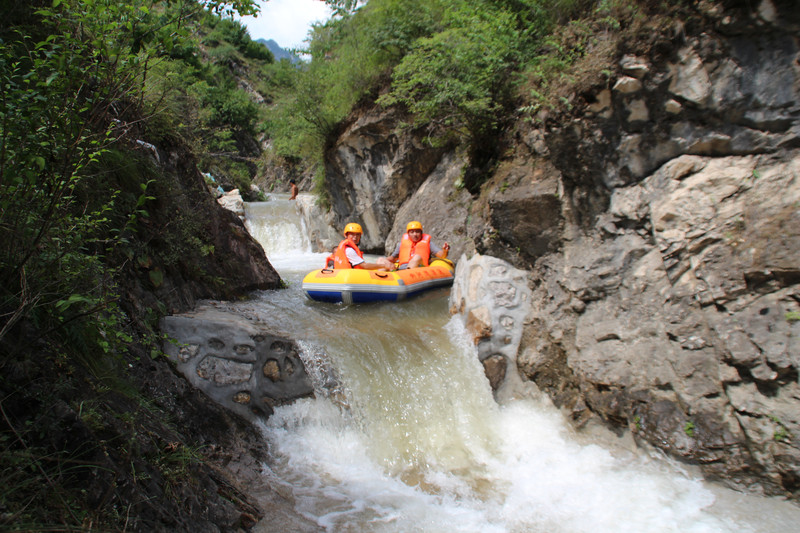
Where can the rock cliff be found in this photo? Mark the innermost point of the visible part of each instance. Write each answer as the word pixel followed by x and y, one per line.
pixel 657 221
pixel 179 268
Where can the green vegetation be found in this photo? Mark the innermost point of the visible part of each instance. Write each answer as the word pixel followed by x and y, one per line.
pixel 458 69
pixel 193 93
pixel 455 82
pixel 688 429
pixel 80 82
pixel 86 88
pixel 793 316
pixel 781 433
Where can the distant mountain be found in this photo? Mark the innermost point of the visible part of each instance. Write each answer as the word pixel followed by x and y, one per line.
pixel 279 52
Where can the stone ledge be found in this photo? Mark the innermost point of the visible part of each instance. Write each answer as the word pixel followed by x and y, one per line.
pixel 235 361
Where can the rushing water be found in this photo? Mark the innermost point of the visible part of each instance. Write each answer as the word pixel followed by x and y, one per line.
pixel 404 436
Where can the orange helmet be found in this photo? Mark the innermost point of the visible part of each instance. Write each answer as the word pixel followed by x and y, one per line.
pixel 352 228
pixel 414 224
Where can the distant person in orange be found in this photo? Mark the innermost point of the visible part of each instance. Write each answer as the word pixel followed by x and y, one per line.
pixel 347 254
pixel 415 248
pixel 293 189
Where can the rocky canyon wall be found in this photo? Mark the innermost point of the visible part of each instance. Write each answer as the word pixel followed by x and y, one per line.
pixel 658 223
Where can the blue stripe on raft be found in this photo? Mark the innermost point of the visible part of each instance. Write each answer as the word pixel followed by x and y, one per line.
pixel 364 297
pixel 357 297
pixel 325 296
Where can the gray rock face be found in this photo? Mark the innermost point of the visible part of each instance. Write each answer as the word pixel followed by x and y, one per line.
pixel 495 299
pixel 443 223
pixel 670 306
pixel 319 223
pixel 232 201
pixel 235 362
pixel 371 171
pixel 678 316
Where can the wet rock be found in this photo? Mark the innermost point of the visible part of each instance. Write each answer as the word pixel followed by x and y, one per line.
pixel 235 362
pixel 495 369
pixel 320 224
pixel 232 201
pixel 479 323
pixel 494 297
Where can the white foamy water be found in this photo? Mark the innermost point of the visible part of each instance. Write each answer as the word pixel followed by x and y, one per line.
pixel 277 226
pixel 410 440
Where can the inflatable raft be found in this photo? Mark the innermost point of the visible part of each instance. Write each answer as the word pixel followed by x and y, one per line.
pixel 359 286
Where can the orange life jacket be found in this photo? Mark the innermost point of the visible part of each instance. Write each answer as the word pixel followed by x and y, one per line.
pixel 408 248
pixel 340 255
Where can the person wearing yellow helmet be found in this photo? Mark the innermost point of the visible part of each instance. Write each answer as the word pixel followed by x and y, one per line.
pixel 347 254
pixel 415 248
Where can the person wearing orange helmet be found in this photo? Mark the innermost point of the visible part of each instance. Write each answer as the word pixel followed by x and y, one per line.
pixel 416 247
pixel 347 254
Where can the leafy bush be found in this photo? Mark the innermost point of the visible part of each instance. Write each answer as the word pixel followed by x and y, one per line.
pixel 75 81
pixel 350 55
pixel 456 82
pixel 231 32
pixel 52 261
pixel 71 75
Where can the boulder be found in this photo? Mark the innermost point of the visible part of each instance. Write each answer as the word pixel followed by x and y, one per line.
pixel 232 201
pixel 493 297
pixel 234 361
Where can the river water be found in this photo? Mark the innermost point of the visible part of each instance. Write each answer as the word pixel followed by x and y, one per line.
pixel 404 435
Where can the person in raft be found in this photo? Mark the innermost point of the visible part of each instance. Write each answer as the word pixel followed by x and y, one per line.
pixel 347 254
pixel 415 248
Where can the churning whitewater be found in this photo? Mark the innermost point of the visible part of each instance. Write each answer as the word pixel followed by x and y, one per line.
pixel 403 434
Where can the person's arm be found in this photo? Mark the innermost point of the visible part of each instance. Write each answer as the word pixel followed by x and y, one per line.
pixel 388 262
pixel 442 252
pixel 393 258
pixel 356 261
pixel 372 266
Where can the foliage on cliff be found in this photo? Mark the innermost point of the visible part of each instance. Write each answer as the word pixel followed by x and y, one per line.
pixel 458 68
pixel 89 90
pixel 101 106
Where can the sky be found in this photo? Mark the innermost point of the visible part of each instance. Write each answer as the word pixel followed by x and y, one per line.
pixel 287 22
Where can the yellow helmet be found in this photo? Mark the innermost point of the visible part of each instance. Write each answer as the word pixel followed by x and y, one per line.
pixel 414 224
pixel 352 228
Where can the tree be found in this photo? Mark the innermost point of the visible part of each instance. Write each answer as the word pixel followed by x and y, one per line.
pixel 456 82
pixel 70 74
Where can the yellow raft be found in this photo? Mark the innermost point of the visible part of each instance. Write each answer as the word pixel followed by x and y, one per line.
pixel 358 286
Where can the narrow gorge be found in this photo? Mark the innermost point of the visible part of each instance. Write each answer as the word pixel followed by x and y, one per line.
pixel 655 216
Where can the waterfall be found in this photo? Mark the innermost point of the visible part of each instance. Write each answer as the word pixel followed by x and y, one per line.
pixel 404 435
pixel 275 224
